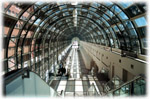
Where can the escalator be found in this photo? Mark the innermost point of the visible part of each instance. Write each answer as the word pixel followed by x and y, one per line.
pixel 26 83
pixel 135 87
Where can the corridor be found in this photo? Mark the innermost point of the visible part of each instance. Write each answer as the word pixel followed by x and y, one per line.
pixel 79 83
pixel 102 45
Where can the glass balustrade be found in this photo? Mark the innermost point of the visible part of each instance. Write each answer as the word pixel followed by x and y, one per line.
pixel 30 86
pixel 134 88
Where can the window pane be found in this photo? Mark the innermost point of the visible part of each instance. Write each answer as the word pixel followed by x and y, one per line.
pixel 106 17
pixel 125 5
pixel 116 9
pixel 123 16
pixel 109 13
pixel 144 42
pixel 141 21
pixel 133 32
pixel 37 21
pixel 121 27
pixel 92 9
pixel 128 24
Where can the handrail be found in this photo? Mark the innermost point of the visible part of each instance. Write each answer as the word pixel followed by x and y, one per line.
pixel 10 76
pixel 20 72
pixel 138 77
pixel 13 76
pixel 94 89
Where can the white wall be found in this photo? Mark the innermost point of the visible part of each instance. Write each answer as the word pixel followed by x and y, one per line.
pixel 107 59
pixel 86 58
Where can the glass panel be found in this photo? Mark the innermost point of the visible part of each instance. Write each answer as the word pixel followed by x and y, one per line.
pixel 37 21
pixel 95 4
pixel 141 21
pixel 98 21
pixel 116 28
pixel 84 10
pixel 116 9
pixel 142 32
pixel 32 19
pixel 106 17
pixel 25 15
pixel 45 8
pixel 65 13
pixel 49 12
pixel 133 11
pixel 70 9
pixel 125 90
pixel 12 42
pixel 6 29
pixel 5 4
pixel 133 32
pixel 144 42
pixel 111 41
pixel 14 11
pixel 39 3
pixel 15 33
pixel 64 10
pixel 121 27
pixel 123 15
pixel 128 24
pixel 93 9
pixel 109 13
pixel 29 35
pixel 26 49
pixel 11 64
pixel 117 92
pixel 57 12
pixel 139 87
pixel 11 52
pixel 126 4
pixel 113 34
pixel 108 3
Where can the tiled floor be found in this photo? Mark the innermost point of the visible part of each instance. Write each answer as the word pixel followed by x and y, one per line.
pixel 80 80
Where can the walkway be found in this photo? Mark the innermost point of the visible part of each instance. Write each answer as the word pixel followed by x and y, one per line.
pixel 80 79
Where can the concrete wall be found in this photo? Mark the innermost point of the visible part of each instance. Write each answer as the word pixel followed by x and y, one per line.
pixel 86 58
pixel 104 57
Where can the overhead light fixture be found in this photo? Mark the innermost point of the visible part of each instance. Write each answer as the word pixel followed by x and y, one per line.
pixel 75 17
pixel 74 3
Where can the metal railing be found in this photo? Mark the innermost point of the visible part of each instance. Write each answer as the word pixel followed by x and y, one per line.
pixel 133 87
pixel 10 77
pixel 92 91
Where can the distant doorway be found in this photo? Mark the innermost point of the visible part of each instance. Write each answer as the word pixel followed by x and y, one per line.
pixel 94 67
pixel 125 75
pixel 113 71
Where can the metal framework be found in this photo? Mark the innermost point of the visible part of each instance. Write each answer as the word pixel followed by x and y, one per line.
pixel 36 33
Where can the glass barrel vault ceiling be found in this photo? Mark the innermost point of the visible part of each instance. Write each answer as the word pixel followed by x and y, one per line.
pixel 31 28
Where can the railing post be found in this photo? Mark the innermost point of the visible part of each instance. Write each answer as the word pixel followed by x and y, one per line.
pixel 132 88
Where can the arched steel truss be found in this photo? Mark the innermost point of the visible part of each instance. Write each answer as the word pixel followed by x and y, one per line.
pixel 51 25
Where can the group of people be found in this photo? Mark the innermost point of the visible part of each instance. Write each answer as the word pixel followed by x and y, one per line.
pixel 62 70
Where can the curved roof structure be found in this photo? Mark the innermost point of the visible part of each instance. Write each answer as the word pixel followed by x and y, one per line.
pixel 32 30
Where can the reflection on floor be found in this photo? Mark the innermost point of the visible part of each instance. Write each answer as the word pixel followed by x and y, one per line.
pixel 80 79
